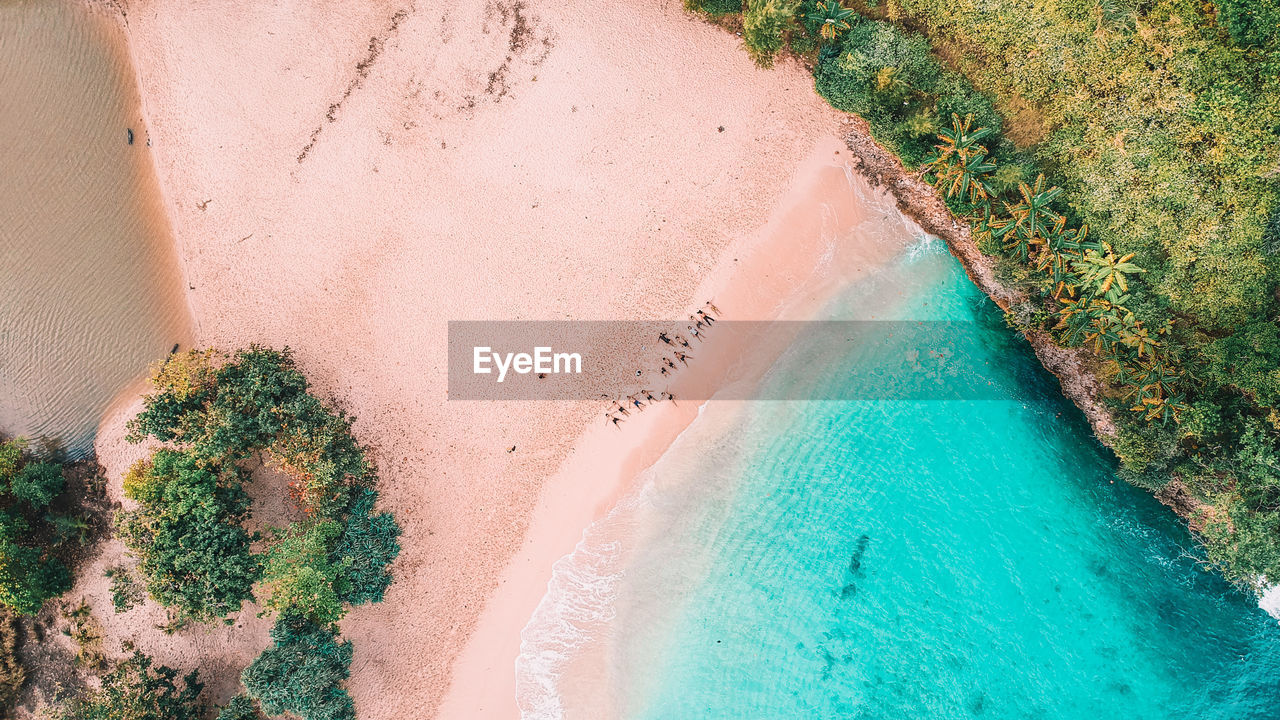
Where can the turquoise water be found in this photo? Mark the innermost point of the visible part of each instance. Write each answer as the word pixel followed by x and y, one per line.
pixel 917 559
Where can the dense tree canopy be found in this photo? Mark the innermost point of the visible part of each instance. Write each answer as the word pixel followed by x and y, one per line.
pixel 187 531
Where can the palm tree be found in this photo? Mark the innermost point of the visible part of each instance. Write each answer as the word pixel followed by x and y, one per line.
pixel 1135 335
pixel 1029 219
pixel 958 140
pixel 1061 248
pixel 959 163
pixel 1154 384
pixel 834 19
pixel 1107 273
pixel 1104 331
pixel 963 176
pixel 1080 318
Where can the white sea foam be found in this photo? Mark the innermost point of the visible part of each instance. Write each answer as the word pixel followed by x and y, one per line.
pixel 580 598
pixel 1270 601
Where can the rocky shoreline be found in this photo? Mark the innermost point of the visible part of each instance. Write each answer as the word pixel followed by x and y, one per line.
pixel 1072 366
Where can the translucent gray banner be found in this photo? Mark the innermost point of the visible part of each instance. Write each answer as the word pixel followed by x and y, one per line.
pixel 821 360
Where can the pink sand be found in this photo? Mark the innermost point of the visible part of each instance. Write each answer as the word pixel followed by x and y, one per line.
pixel 345 179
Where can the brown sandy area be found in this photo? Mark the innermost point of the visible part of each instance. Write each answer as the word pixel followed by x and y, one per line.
pixel 344 179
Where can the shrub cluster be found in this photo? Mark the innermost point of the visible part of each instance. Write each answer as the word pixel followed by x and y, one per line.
pixel 187 531
pixel 31 529
pixel 137 689
pixel 188 527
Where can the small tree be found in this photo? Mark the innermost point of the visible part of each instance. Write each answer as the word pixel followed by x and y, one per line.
pixel 241 707
pixel 301 571
pixel 1029 219
pixel 365 550
pixel 29 573
pixel 832 19
pixel 187 531
pixel 1107 274
pixel 303 672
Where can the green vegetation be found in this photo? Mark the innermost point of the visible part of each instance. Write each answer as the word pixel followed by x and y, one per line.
pixel 365 549
pixel 12 674
pixel 31 529
pixel 1120 161
pixel 763 23
pixel 241 707
pixel 832 18
pixel 86 632
pixel 138 690
pixel 302 672
pixel 714 7
pixel 187 531
pixel 188 527
pixel 125 592
pixel 1251 22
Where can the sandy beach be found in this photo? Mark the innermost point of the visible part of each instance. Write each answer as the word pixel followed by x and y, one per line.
pixel 344 181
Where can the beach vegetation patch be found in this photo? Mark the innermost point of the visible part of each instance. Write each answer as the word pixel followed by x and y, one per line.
pixel 303 671
pixel 714 7
pixel 138 689
pixel 38 524
pixel 214 412
pixel 763 25
pixel 240 707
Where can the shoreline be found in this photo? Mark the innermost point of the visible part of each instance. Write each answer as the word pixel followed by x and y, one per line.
pixel 357 252
pixel 921 202
pixel 604 464
pixel 1071 366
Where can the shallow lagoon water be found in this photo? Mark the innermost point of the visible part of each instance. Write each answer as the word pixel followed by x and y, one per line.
pixel 90 289
pixel 897 559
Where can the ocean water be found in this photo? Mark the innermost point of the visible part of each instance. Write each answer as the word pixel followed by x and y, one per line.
pixel 896 559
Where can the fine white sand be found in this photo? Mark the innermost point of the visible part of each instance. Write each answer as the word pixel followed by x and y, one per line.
pixel 345 178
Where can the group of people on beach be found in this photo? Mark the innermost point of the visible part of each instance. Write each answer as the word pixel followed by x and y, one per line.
pixel 678 345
